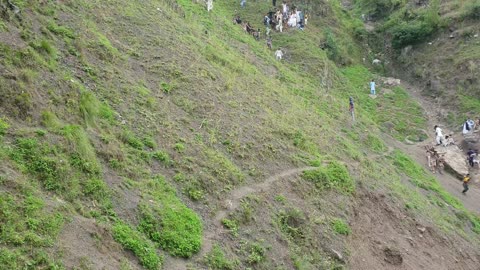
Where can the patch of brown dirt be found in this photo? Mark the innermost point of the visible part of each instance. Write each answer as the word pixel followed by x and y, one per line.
pixel 84 242
pixel 384 236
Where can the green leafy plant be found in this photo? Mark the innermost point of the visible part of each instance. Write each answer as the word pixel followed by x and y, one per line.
pixel 132 240
pixel 341 227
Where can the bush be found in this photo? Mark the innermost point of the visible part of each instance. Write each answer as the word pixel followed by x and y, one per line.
pixel 163 157
pixel 340 227
pixel 83 152
pixel 168 222
pixel 132 240
pixel 3 126
pixel 472 10
pixel 89 107
pixel 409 33
pixel 216 260
pixel 334 175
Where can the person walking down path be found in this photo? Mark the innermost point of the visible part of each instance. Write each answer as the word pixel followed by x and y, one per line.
pixel 274 3
pixel 466 179
pixel 269 43
pixel 243 3
pixel 278 54
pixel 438 135
pixel 372 87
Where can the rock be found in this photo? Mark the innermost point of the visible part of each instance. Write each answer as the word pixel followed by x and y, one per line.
pixel 421 229
pixel 389 81
pixel 393 256
pixel 337 255
pixel 454 159
pixel 406 50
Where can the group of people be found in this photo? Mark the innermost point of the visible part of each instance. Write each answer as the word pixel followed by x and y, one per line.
pixel 467 128
pixel 285 16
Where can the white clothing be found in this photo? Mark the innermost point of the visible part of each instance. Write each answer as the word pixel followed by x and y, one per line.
pixel 372 86
pixel 278 54
pixel 439 135
pixel 468 126
pixel 209 5
pixel 279 26
pixel 292 21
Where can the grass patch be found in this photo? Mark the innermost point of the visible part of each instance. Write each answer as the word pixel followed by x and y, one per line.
pixel 83 154
pixel 168 222
pixel 217 260
pixel 340 227
pixel 333 176
pixel 132 240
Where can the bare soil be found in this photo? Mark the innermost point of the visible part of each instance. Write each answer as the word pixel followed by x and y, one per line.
pixel 83 242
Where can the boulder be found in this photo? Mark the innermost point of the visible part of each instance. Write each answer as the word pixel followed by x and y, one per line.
pixel 454 158
pixel 388 81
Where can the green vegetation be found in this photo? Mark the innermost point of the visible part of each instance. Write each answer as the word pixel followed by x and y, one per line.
pixel 98 98
pixel 217 260
pixel 168 222
pixel 232 225
pixel 132 240
pixel 332 176
pixel 3 127
pixel 341 227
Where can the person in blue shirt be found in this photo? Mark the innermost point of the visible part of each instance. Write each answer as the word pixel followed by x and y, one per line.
pixel 372 87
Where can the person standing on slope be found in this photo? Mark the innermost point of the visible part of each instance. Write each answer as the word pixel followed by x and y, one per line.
pixel 274 2
pixel 466 179
pixel 352 108
pixel 278 54
pixel 372 87
pixel 438 135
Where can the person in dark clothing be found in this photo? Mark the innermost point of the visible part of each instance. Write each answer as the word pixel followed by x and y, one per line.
pixel 274 3
pixel 470 156
pixel 466 179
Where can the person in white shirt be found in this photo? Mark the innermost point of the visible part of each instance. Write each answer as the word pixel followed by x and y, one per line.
pixel 278 54
pixel 438 135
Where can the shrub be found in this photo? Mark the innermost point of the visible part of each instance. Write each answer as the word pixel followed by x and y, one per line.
pixel 96 188
pixel 89 107
pixel 472 10
pixel 290 223
pixel 216 260
pixel 130 138
pixel 163 157
pixel 60 30
pixel 132 240
pixel 334 175
pixel 341 227
pixel 232 225
pixel 83 152
pixel 168 222
pixel 410 33
pixel 50 120
pixel 3 126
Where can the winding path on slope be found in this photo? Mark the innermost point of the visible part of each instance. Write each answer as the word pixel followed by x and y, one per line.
pixel 232 202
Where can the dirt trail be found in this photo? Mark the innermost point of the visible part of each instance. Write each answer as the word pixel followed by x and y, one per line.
pixel 451 183
pixel 214 231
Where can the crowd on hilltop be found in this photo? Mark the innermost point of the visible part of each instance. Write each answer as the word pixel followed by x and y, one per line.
pixel 280 18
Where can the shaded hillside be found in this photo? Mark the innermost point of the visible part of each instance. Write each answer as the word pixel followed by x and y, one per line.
pixel 155 134
pixel 435 45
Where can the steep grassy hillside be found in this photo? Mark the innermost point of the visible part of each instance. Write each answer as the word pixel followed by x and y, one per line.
pixel 156 135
